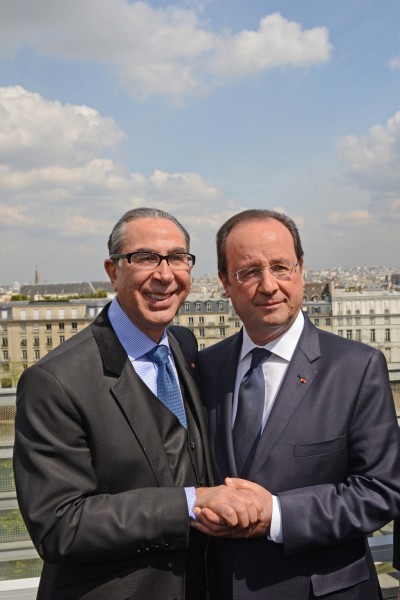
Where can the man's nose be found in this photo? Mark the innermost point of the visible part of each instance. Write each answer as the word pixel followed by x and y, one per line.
pixel 268 283
pixel 163 271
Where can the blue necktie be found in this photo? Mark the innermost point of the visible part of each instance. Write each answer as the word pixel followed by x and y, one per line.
pixel 167 387
pixel 248 421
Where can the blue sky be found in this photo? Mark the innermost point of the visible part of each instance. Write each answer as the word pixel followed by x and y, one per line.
pixel 201 108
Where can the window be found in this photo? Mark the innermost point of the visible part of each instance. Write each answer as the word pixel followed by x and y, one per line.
pixel 23 341
pixel 23 328
pixel 23 315
pixel 62 339
pixel 202 332
pixel 237 324
pixel 4 342
pixel 6 367
pixel 48 326
pixel 316 322
pixel 190 320
pixel 349 334
pixel 5 354
pixel 372 335
pixel 24 366
pixel 315 310
pixel 36 314
pixel 35 328
pixel 61 327
pixel 24 355
pixel 222 319
pixel 340 321
pixel 36 341
pixel 187 307
pixel 37 354
pixel 358 335
pixel 221 305
pixel 202 346
pixel 349 321
pixel 74 326
pixel 74 313
pixel 48 313
pixel 327 321
pixel 201 319
pixel 4 314
pixel 49 342
pixel 3 328
pixel 340 332
pixel 198 307
pixel 61 313
pixel 387 335
pixel 222 331
pixel 209 306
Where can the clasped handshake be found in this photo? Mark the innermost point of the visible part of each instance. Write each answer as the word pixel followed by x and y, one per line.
pixel 238 509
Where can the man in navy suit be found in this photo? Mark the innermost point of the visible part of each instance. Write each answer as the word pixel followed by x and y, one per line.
pixel 325 464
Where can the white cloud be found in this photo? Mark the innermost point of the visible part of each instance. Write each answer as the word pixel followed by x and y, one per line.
pixel 372 160
pixel 35 131
pixel 394 63
pixel 169 51
pixel 372 163
pixel 277 42
pixel 353 218
pixel 69 197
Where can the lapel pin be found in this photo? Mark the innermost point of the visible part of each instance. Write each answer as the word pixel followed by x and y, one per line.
pixel 302 379
pixel 192 365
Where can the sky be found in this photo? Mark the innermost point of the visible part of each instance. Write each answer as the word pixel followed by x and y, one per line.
pixel 202 108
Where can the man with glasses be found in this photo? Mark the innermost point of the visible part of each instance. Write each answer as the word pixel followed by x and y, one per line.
pixel 109 451
pixel 303 418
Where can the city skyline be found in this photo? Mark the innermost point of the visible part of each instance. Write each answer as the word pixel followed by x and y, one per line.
pixel 201 108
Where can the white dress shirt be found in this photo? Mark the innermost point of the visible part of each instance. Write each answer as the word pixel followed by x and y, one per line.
pixel 274 369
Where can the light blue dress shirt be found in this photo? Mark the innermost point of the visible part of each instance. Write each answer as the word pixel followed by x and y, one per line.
pixel 136 344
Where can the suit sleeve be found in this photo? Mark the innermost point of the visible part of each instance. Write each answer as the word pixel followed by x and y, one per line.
pixel 60 496
pixel 326 514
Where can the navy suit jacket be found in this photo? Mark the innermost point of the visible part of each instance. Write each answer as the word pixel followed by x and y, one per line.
pixel 330 451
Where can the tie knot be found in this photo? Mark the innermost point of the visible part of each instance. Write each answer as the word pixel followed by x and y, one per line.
pixel 257 356
pixel 159 354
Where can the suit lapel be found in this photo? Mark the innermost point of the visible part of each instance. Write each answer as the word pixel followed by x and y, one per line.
pixel 295 386
pixel 133 397
pixel 224 452
pixel 186 372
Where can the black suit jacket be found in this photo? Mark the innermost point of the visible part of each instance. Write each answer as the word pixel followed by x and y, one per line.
pixel 99 468
pixel 330 451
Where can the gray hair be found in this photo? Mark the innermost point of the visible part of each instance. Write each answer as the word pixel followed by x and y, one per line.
pixel 117 236
pixel 254 215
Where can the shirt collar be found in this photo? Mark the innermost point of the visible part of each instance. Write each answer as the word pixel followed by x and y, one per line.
pixel 283 346
pixel 134 341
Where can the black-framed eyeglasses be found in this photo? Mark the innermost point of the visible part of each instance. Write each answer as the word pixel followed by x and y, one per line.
pixel 280 270
pixel 150 260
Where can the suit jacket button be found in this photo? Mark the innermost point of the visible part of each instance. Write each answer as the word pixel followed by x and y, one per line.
pixel 192 445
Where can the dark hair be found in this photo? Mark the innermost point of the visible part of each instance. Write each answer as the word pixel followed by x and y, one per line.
pixel 117 236
pixel 254 215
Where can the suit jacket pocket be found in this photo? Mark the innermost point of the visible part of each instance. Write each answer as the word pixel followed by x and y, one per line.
pixel 326 583
pixel 318 448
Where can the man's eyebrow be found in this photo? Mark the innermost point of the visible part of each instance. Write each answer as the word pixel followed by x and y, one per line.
pixel 152 251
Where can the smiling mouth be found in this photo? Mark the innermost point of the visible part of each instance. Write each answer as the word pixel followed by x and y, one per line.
pixel 159 297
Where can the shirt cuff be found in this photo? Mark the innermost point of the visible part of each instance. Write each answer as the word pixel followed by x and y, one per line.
pixel 275 533
pixel 191 501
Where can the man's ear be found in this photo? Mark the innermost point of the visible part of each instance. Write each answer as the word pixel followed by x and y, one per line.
pixel 224 280
pixel 111 269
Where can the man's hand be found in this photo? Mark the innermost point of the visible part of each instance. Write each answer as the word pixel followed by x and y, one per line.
pixel 217 517
pixel 227 506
